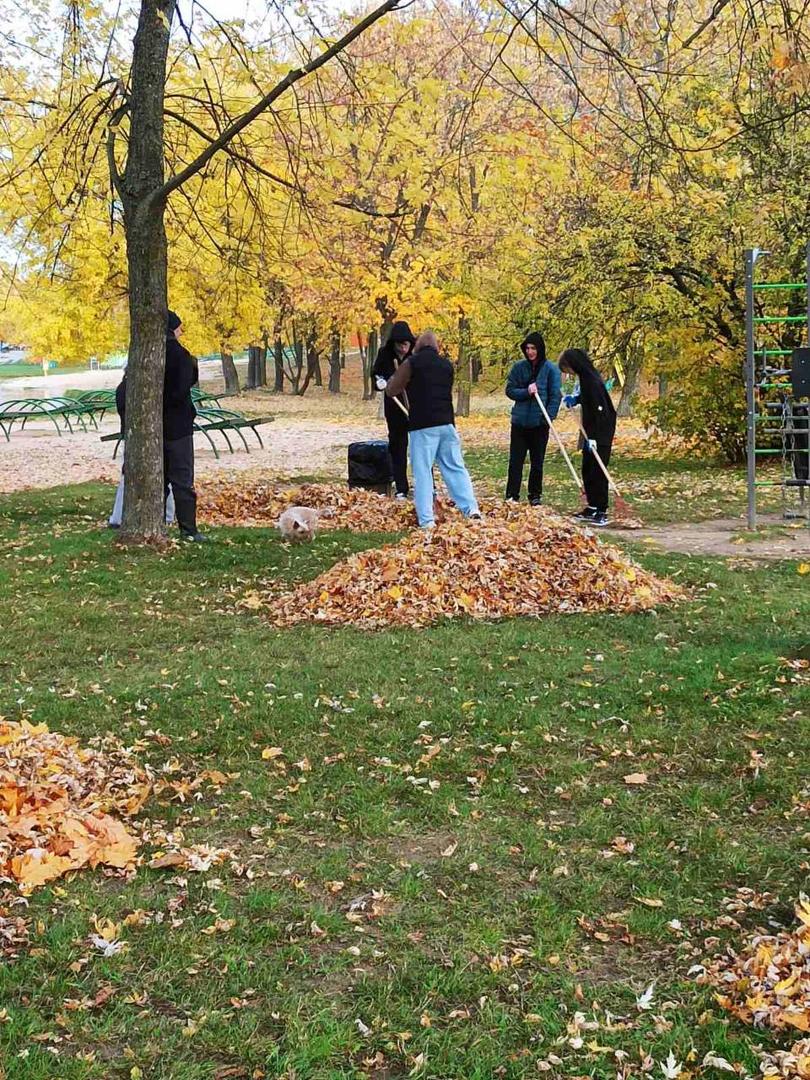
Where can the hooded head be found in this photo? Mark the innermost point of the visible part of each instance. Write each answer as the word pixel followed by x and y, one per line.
pixel 539 344
pixel 400 331
pixel 172 323
pixel 577 361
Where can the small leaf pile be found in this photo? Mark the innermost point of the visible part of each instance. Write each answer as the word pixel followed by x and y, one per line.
pixel 261 502
pixel 56 799
pixel 517 561
pixel 767 984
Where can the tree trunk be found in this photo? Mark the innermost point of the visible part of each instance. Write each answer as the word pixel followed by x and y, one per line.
pixel 252 380
pixel 144 514
pixel 632 381
pixel 372 348
pixel 278 362
pixel 334 361
pixel 463 368
pixel 313 363
pixel 229 372
pixel 263 361
pixel 662 386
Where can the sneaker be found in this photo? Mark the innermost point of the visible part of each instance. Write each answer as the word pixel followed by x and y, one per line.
pixel 586 514
pixel 476 516
pixel 196 537
pixel 536 500
pixel 401 496
pixel 511 498
pixel 600 519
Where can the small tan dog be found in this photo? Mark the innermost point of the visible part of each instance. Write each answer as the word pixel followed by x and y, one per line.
pixel 298 523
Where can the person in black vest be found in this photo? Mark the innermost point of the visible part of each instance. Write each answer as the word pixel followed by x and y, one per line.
pixel 180 375
pixel 395 350
pixel 599 422
pixel 428 378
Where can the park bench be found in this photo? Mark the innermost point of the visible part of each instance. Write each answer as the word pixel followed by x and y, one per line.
pixel 214 420
pixel 20 411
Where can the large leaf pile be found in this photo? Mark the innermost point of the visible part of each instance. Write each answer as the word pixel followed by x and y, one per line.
pixel 517 561
pixel 767 984
pixel 57 801
pixel 260 502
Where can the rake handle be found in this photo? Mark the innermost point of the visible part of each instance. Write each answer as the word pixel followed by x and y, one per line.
pixel 600 463
pixel 558 440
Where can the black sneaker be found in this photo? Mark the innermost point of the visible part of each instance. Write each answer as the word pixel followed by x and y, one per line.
pixel 536 500
pixel 600 519
pixel 195 537
pixel 586 514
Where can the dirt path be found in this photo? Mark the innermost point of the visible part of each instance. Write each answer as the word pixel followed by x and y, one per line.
pixel 728 537
pixel 37 458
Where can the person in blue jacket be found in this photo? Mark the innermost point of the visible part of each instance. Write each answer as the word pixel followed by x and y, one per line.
pixel 533 375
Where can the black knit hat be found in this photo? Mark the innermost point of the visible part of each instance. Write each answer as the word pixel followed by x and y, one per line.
pixel 174 321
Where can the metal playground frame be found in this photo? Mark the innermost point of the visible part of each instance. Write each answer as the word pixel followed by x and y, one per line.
pixel 778 421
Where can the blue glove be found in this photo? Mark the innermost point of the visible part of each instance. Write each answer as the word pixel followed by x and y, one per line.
pixel 589 445
pixel 610 384
pixel 570 400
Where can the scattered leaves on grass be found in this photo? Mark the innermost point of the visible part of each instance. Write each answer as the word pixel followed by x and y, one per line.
pixel 517 561
pixel 58 798
pixel 767 983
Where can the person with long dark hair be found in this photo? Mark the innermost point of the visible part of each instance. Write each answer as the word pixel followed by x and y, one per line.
pixel 599 424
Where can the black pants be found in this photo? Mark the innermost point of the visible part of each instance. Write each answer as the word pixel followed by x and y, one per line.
pixel 593 479
pixel 178 474
pixel 398 448
pixel 532 441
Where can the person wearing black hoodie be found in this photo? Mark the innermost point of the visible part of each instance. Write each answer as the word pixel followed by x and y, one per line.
pixel 599 423
pixel 398 347
pixel 529 432
pixel 181 373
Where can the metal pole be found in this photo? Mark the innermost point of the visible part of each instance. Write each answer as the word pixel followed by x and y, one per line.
pixel 750 395
pixel 807 288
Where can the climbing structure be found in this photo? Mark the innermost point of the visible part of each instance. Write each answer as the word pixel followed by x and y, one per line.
pixel 778 388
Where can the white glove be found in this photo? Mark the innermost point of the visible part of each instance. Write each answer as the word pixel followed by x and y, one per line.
pixel 380 382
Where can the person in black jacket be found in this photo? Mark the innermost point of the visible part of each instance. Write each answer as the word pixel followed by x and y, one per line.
pixel 181 373
pixel 397 348
pixel 428 378
pixel 599 422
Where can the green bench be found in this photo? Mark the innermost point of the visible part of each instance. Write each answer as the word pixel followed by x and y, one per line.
pixel 20 411
pixel 214 420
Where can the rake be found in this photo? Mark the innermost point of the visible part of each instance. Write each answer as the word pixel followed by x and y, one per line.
pixel 620 505
pixel 562 449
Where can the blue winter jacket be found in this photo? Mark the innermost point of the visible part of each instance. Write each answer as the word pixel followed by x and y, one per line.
pixel 526 411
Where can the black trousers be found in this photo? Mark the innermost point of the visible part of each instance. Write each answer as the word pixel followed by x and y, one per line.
pixel 593 479
pixel 532 441
pixel 178 474
pixel 398 448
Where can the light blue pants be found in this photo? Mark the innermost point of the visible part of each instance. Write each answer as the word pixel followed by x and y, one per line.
pixel 440 446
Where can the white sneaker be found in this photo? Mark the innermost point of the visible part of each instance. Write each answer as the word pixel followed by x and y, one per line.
pixel 401 496
pixel 429 527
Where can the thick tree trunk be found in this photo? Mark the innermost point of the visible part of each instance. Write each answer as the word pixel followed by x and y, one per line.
pixel 144 516
pixel 334 361
pixel 229 372
pixel 278 363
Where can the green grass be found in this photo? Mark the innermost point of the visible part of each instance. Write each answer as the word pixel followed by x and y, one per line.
pixel 15 371
pixel 660 491
pixel 463 972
